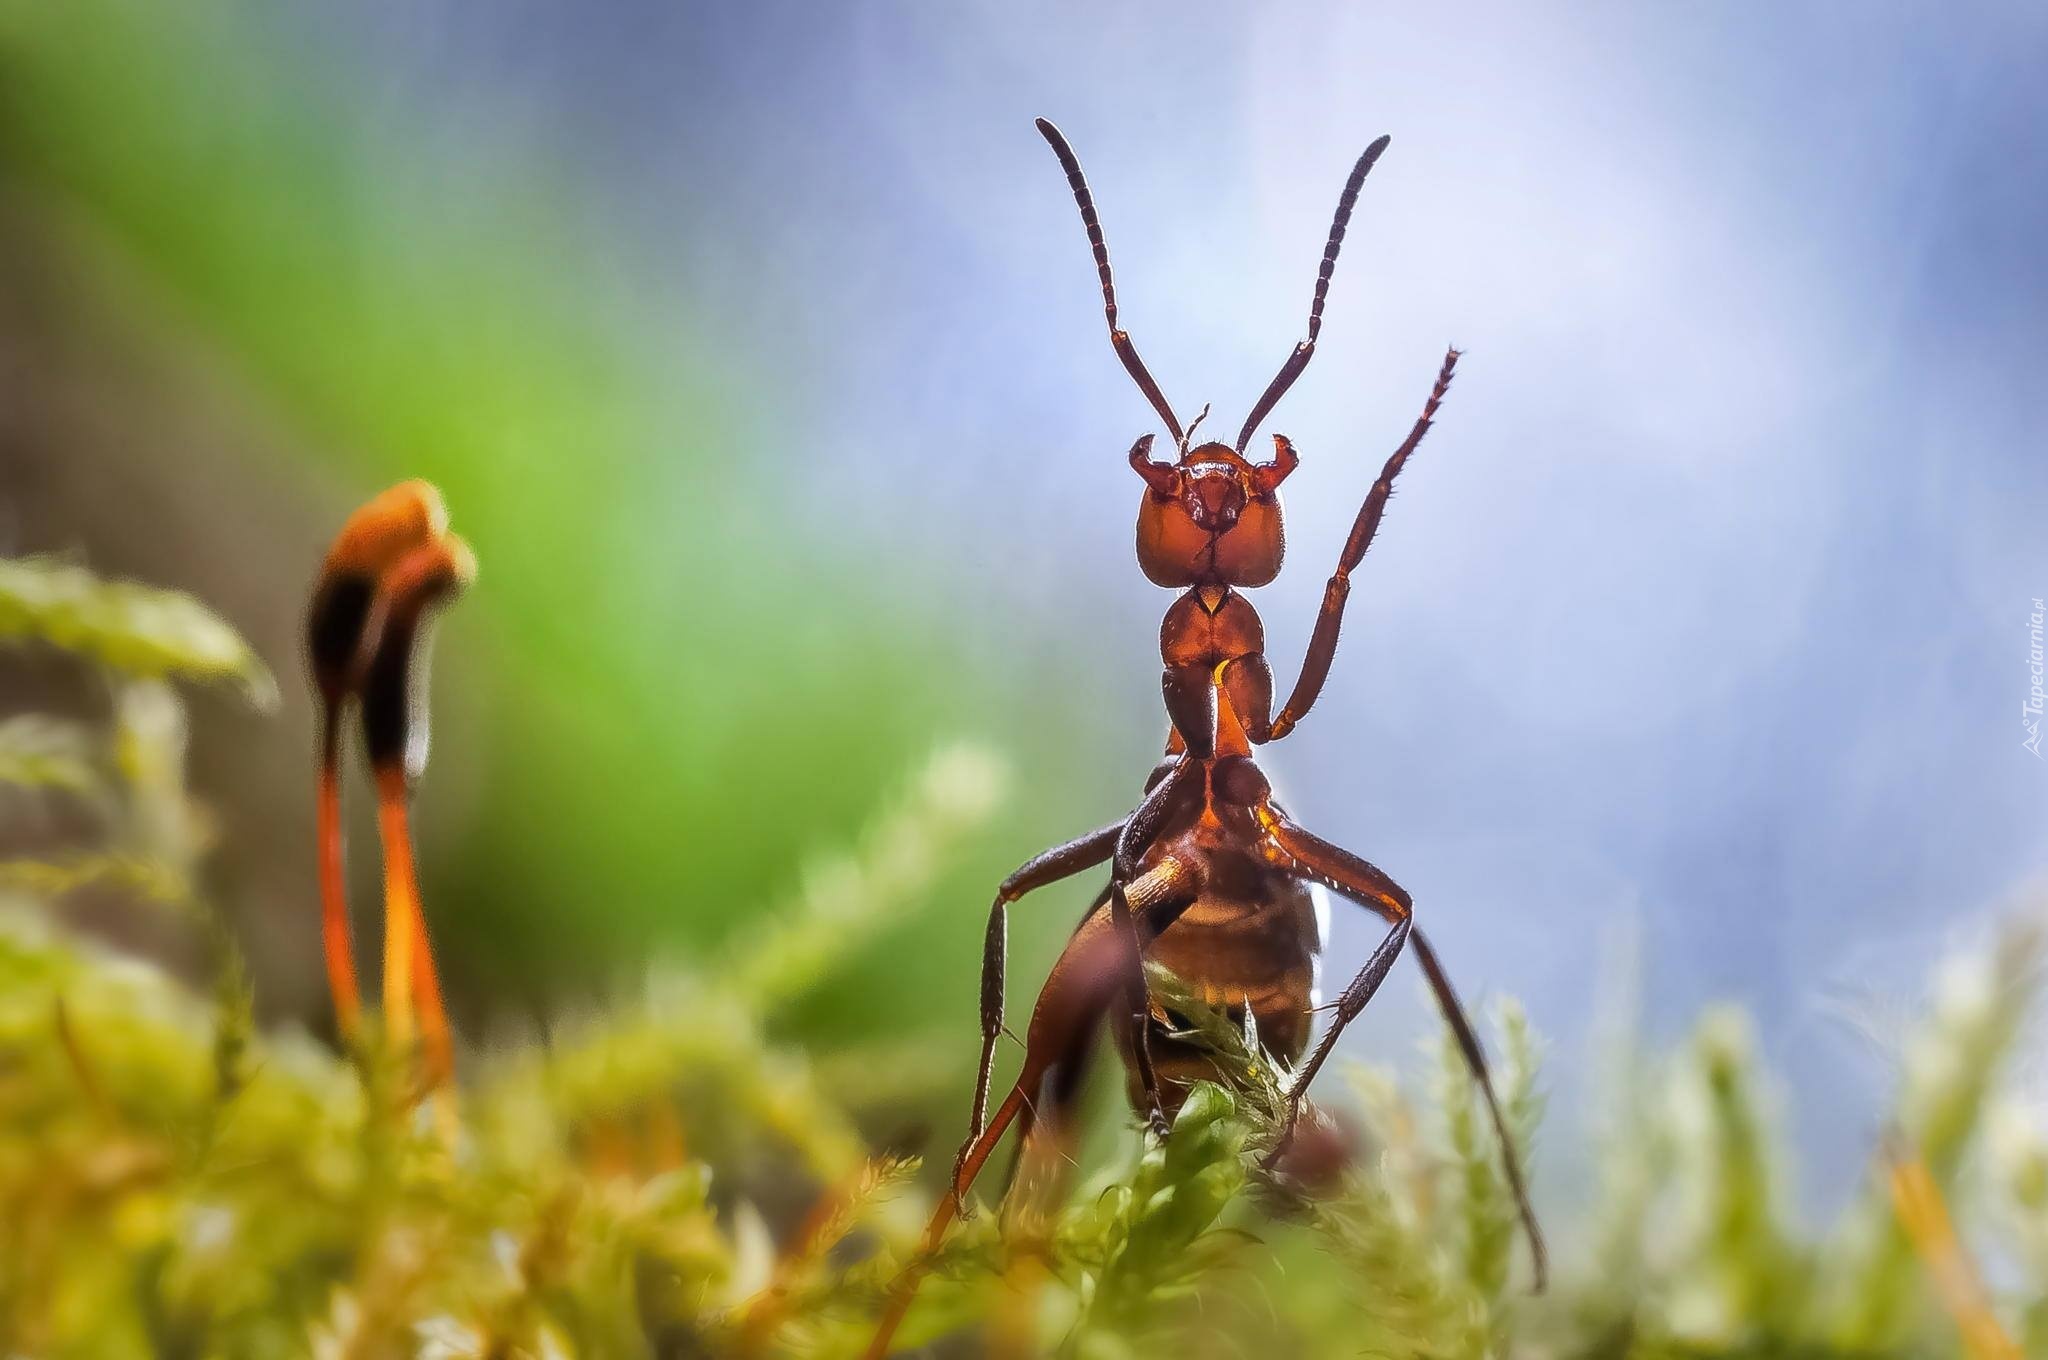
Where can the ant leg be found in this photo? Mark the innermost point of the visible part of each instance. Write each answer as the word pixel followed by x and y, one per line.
pixel 1042 870
pixel 1475 1063
pixel 1050 867
pixel 1322 646
pixel 1077 992
pixel 1355 878
pixel 1138 834
pixel 1081 984
pixel 1354 1000
pixel 904 1288
pixel 1248 684
pixel 1048 1131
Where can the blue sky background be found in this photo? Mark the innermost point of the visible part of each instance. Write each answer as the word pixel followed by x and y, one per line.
pixel 1700 622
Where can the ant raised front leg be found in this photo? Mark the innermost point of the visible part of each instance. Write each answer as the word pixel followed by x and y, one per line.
pixel 1360 881
pixel 1345 873
pixel 1248 680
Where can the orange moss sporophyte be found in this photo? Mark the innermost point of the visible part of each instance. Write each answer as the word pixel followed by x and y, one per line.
pixel 392 564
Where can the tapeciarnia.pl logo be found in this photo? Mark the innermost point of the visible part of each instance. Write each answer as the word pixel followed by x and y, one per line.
pixel 2030 711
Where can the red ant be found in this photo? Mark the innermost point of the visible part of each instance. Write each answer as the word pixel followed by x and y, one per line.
pixel 1209 876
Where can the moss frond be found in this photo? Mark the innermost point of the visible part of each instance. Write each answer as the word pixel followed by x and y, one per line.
pixel 43 755
pixel 135 630
pixel 665 1177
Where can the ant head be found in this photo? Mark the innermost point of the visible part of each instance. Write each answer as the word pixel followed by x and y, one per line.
pixel 1213 518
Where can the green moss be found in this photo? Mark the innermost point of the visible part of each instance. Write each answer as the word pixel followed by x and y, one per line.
pixel 665 1177
pixel 134 630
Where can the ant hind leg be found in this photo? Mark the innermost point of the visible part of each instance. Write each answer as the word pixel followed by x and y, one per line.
pixel 1060 862
pixel 1365 884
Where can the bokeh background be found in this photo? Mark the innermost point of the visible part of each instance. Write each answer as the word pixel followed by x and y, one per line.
pixel 758 353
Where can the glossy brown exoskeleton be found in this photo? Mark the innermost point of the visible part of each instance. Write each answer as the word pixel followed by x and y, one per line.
pixel 1209 876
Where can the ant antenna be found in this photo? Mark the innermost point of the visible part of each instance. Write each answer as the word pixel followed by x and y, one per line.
pixel 1193 425
pixel 1125 350
pixel 1306 350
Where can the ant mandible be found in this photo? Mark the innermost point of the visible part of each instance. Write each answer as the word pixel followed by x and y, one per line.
pixel 1209 876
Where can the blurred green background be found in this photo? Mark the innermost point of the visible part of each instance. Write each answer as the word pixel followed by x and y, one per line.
pixel 234 304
